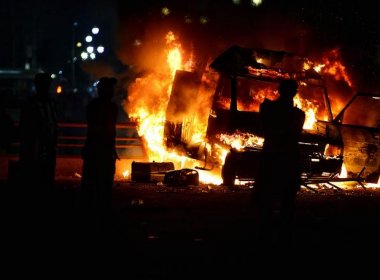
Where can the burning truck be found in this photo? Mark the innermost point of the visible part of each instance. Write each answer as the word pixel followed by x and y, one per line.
pixel 208 119
pixel 245 77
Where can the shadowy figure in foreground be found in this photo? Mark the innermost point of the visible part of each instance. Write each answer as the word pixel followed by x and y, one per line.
pixel 279 177
pixel 35 178
pixel 38 138
pixel 99 155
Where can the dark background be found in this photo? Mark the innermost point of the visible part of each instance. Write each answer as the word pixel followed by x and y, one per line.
pixel 40 32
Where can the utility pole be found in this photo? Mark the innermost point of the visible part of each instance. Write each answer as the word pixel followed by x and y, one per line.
pixel 73 57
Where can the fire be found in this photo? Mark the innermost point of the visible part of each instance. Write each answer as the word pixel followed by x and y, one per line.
pixel 240 140
pixel 148 99
pixel 310 112
pixel 343 172
pixel 174 57
pixel 331 64
pixel 126 174
pixel 147 103
pixel 59 89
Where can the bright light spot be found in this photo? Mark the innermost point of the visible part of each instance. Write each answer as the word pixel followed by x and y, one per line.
pixel 100 49
pixel 95 30
pixel 165 11
pixel 84 55
pixel 256 3
pixel 90 49
pixel 137 43
pixel 236 2
pixel 79 44
pixel 27 66
pixel 126 173
pixel 75 58
pixel 75 23
pixel 88 39
pixel 92 55
pixel 60 72
pixel 53 76
pixel 59 89
pixel 203 20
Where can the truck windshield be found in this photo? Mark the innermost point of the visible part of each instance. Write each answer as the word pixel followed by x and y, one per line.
pixel 251 93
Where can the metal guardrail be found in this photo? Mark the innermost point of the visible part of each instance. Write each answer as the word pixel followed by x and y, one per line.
pixel 72 136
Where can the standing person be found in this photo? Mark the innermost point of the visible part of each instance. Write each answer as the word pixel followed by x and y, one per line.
pixel 279 177
pixel 99 153
pixel 38 138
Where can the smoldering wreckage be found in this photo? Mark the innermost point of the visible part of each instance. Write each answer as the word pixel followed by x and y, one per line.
pixel 242 78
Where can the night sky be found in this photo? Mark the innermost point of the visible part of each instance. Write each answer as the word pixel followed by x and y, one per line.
pixel 41 31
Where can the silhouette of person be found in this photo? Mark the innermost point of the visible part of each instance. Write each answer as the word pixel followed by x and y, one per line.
pixel 99 154
pixel 38 137
pixel 279 176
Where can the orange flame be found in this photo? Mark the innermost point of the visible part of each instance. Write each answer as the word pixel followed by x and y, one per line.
pixel 240 140
pixel 331 65
pixel 310 112
pixel 147 103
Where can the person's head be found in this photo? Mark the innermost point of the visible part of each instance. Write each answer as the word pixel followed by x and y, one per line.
pixel 288 88
pixel 42 82
pixel 106 87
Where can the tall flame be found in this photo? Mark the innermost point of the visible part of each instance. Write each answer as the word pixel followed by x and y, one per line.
pixel 331 64
pixel 310 112
pixel 147 103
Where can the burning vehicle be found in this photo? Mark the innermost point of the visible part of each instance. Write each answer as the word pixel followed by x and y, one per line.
pixel 205 115
pixel 245 77
pixel 359 123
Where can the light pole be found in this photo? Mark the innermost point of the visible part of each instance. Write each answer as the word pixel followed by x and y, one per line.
pixel 90 49
pixel 73 57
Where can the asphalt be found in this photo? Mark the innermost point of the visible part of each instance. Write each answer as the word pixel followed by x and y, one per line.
pixel 159 232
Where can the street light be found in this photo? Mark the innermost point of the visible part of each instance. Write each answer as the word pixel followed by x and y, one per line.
pixel 88 38
pixel 100 49
pixel 84 55
pixel 95 30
